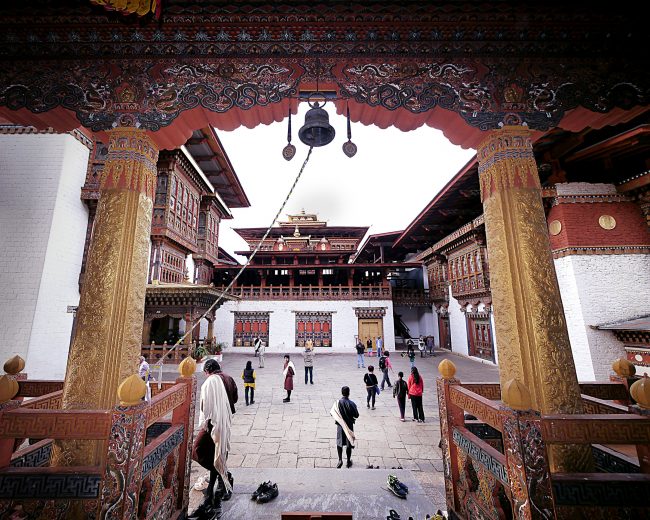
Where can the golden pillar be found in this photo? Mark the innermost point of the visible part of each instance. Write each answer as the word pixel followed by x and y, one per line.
pixel 532 338
pixel 108 340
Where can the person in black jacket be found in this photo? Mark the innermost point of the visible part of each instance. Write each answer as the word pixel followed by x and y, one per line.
pixel 400 389
pixel 370 379
pixel 347 411
pixel 360 350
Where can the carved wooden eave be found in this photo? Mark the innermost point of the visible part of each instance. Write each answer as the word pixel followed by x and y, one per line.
pixel 461 66
pixel 178 299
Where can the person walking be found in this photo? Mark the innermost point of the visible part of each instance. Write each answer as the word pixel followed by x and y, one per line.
pixel 380 345
pixel 360 350
pixel 248 375
pixel 345 412
pixel 385 365
pixel 212 442
pixel 260 353
pixel 430 346
pixel 400 389
pixel 421 345
pixel 145 373
pixel 415 390
pixel 410 352
pixel 308 358
pixel 370 379
pixel 289 371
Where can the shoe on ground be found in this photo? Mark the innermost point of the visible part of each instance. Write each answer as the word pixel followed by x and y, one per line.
pixel 402 419
pixel 395 483
pixel 262 488
pixel 339 465
pixel 285 400
pixel 348 464
pixel 268 495
pixel 205 510
pixel 373 408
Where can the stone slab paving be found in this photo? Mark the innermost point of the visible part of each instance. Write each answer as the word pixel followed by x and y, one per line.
pixel 272 438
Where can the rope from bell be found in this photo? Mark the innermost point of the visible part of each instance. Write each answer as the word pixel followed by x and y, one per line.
pixel 250 258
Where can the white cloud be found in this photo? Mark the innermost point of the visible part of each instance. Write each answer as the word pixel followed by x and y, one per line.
pixel 385 185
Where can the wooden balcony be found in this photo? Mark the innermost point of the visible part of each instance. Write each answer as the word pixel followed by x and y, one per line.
pixel 413 297
pixel 310 292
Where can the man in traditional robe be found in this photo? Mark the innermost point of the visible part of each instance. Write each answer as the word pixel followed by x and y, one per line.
pixel 212 442
pixel 344 411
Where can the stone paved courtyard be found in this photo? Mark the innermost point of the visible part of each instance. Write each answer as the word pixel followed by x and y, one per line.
pixel 279 441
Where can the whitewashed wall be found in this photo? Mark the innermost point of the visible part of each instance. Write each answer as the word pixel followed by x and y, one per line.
pixel 42 232
pixel 458 327
pixel 282 322
pixel 598 289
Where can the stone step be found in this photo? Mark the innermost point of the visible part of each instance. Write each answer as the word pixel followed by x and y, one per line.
pixel 363 492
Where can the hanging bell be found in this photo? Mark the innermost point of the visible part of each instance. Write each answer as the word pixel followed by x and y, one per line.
pixel 317 130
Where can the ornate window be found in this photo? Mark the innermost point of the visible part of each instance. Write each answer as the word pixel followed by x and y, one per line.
pixel 314 326
pixel 248 326
pixel 479 332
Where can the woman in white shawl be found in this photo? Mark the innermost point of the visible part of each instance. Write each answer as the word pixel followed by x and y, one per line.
pixel 212 442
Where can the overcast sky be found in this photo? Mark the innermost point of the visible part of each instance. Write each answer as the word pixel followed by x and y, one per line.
pixel 385 185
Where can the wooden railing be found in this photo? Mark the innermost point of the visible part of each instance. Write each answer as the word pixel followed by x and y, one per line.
pixel 142 470
pixel 412 297
pixel 309 292
pixel 497 464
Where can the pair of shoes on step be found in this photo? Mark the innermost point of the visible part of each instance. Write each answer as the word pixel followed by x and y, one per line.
pixel 348 464
pixel 266 492
pixel 398 488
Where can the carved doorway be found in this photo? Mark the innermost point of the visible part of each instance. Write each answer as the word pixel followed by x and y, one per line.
pixel 370 329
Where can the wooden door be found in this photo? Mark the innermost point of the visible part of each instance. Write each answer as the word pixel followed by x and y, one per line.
pixel 370 329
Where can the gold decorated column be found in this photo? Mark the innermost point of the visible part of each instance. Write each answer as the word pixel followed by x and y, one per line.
pixel 111 308
pixel 532 338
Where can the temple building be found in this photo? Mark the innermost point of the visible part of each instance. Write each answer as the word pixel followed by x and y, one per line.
pixel 302 285
pixel 196 187
pixel 596 193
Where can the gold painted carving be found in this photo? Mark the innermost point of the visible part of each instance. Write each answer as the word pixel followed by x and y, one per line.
pixel 107 342
pixel 530 327
pixel 555 227
pixel 607 222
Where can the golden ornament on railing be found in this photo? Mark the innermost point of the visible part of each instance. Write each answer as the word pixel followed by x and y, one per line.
pixel 14 365
pixel 447 369
pixel 640 392
pixel 187 367
pixel 515 395
pixel 131 390
pixel 8 388
pixel 623 368
pixel 139 7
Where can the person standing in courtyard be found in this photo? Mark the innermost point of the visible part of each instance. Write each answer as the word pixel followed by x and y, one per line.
pixel 256 344
pixel 212 442
pixel 360 350
pixel 380 346
pixel 400 389
pixel 410 352
pixel 308 358
pixel 385 365
pixel 369 346
pixel 415 390
pixel 370 380
pixel 289 371
pixel 345 412
pixel 260 353
pixel 248 375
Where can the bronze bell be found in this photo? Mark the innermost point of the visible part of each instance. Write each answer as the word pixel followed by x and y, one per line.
pixel 317 130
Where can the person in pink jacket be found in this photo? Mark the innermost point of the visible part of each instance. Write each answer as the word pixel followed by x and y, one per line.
pixel 415 389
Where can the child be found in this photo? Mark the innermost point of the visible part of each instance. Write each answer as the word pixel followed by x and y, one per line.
pixel 400 389
pixel 248 375
pixel 370 379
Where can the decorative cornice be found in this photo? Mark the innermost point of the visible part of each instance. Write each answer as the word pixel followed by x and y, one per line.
pixel 601 250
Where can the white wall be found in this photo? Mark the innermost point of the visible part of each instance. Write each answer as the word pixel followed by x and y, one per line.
pixel 282 322
pixel 42 232
pixel 458 327
pixel 598 289
pixel 419 320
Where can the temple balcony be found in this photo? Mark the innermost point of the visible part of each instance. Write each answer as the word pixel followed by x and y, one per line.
pixel 413 297
pixel 309 292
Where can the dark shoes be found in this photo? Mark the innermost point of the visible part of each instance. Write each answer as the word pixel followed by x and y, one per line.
pixel 348 464
pixel 269 494
pixel 266 492
pixel 398 489
pixel 286 400
pixel 339 465
pixel 263 487
pixel 208 510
